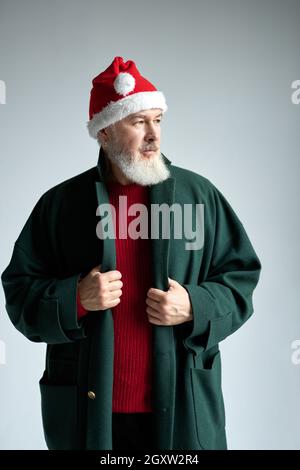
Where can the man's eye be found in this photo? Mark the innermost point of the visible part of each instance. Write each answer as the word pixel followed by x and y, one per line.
pixel 141 122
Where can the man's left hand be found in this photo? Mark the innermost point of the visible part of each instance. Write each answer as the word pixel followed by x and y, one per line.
pixel 170 307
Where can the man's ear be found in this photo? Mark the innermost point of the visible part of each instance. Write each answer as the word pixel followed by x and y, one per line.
pixel 102 136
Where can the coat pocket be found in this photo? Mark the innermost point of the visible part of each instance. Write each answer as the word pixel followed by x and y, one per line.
pixel 59 414
pixel 208 405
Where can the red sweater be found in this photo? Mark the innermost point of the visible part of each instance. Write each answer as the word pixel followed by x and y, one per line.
pixel 132 330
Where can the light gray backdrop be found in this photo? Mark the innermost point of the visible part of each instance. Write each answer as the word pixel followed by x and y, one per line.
pixel 226 68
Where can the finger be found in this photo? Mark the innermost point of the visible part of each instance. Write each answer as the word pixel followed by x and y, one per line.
pixel 115 285
pixel 156 294
pixel 153 303
pixel 113 303
pixel 172 283
pixel 115 294
pixel 154 320
pixel 153 313
pixel 112 275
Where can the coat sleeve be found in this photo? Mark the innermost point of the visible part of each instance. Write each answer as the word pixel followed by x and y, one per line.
pixel 222 299
pixel 41 305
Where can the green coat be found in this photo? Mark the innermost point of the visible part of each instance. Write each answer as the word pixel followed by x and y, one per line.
pixel 59 242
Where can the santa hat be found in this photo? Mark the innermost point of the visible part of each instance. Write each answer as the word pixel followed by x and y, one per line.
pixel 119 91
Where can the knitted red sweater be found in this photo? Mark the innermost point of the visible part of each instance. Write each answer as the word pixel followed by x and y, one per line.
pixel 132 330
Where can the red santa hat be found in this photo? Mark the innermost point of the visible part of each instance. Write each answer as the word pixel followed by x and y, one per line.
pixel 119 91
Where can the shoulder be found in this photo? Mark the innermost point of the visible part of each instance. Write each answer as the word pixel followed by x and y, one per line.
pixel 192 180
pixel 73 192
pixel 68 200
pixel 82 180
pixel 196 187
pixel 220 214
pixel 77 187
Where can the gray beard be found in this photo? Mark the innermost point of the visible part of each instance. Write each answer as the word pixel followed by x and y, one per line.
pixel 141 171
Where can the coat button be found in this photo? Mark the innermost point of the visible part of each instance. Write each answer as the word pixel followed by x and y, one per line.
pixel 91 395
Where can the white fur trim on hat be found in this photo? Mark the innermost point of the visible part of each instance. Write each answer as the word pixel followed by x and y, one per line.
pixel 117 110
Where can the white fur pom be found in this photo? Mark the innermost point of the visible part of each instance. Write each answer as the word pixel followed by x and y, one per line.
pixel 124 83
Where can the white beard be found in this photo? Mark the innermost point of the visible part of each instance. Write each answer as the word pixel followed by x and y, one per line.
pixel 143 171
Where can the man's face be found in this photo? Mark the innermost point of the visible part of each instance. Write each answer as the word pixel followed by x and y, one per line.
pixel 139 133
pixel 133 144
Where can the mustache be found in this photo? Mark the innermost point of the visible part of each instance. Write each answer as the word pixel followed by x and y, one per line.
pixel 149 148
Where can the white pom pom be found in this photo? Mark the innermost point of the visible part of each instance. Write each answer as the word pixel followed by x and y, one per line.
pixel 124 83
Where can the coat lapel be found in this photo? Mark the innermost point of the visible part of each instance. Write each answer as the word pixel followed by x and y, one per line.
pixel 108 262
pixel 164 363
pixel 100 347
pixel 162 193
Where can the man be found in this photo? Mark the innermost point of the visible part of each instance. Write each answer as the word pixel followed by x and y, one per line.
pixel 131 310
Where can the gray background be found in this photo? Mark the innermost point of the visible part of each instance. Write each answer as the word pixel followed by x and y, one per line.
pixel 226 68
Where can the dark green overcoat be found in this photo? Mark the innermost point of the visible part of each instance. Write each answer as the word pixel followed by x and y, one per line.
pixel 59 242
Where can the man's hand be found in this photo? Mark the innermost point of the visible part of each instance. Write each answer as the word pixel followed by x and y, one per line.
pixel 169 308
pixel 99 291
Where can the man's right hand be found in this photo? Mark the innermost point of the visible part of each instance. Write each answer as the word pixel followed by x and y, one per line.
pixel 99 291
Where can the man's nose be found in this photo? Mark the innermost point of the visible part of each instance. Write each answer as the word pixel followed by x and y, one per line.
pixel 151 134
